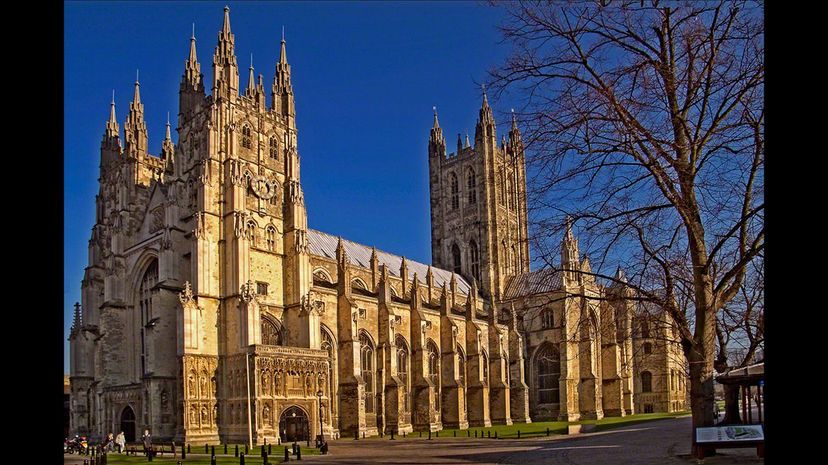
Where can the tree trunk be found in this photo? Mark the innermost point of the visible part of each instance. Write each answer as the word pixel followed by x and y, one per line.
pixel 701 388
pixel 731 395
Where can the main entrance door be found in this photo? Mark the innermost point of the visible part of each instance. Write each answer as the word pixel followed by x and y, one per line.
pixel 293 425
pixel 128 424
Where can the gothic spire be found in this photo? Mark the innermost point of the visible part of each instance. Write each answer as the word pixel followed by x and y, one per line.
pixel 225 28
pixel 167 147
pixel 112 128
pixel 251 80
pixel 569 249
pixel 192 68
pixel 77 321
pixel 136 97
pixel 436 123
pixel 437 145
pixel 135 128
pixel 225 69
pixel 282 88
pixel 485 122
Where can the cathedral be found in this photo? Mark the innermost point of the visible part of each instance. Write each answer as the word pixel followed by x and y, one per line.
pixel 210 311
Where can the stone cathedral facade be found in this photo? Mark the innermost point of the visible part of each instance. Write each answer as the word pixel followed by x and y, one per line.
pixel 206 292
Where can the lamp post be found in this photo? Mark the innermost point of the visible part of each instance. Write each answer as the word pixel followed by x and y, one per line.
pixel 321 438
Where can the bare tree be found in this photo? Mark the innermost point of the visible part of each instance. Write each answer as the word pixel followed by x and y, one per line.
pixel 644 122
pixel 740 333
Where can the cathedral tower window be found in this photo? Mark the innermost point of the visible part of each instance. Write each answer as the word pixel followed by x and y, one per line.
pixel 261 288
pixel 145 293
pixel 251 231
pixel 645 327
pixel 274 148
pixel 548 363
pixel 271 238
pixel 271 332
pixel 547 320
pixel 455 191
pixel 472 184
pixel 247 140
pixel 474 254
pixel 455 254
pixel 646 381
pixel 485 361
pixel 648 348
pixel 511 194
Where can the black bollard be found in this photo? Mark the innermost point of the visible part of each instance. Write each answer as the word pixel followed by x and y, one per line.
pixel 429 435
pixel 206 450
pixel 246 449
pixel 262 452
pixel 225 449
pixel 468 433
pixel 547 431
pixel 421 434
pixel 392 434
pixel 213 451
pixel 495 434
pixel 287 455
pixel 489 434
pixel 268 449
pixel 518 434
pixel 403 434
pixel 213 460
pixel 188 448
pixel 264 458
pixel 299 454
pixel 241 460
pixel 475 434
pixel 363 435
pixel 236 454
pixel 356 435
pixel 438 434
pixel 455 433
pixel 309 439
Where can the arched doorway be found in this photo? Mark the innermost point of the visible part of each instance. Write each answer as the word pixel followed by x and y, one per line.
pixel 293 425
pixel 128 424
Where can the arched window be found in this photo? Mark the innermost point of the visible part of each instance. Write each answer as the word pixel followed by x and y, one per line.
pixel 247 141
pixel 645 327
pixel 274 199
pixel 274 148
pixel 500 187
pixel 485 369
pixel 271 333
pixel 367 367
pixel 511 194
pixel 648 348
pixel 455 254
pixel 251 231
pixel 249 192
pixel 547 318
pixel 434 371
pixel 321 275
pixel 359 284
pixel 461 366
pixel 145 292
pixel 646 381
pixel 455 191
pixel 474 254
pixel 472 184
pixel 513 259
pixel 271 238
pixel 329 346
pixel 548 368
pixel 402 369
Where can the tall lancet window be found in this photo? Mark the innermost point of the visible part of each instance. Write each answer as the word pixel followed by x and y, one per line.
pixel 455 191
pixel 274 148
pixel 145 292
pixel 271 333
pixel 271 238
pixel 455 254
pixel 402 369
pixel 434 371
pixel 247 140
pixel 367 368
pixel 472 184
pixel 474 254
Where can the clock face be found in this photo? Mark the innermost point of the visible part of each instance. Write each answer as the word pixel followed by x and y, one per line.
pixel 263 188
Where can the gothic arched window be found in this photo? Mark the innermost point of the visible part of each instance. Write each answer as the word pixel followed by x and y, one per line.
pixel 455 254
pixel 646 381
pixel 251 231
pixel 434 371
pixel 402 369
pixel 367 368
pixel 548 369
pixel 455 191
pixel 461 366
pixel 247 141
pixel 474 254
pixel 485 362
pixel 645 327
pixel 472 184
pixel 145 292
pixel 274 148
pixel 648 348
pixel 513 258
pixel 271 238
pixel 329 346
pixel 511 193
pixel 271 333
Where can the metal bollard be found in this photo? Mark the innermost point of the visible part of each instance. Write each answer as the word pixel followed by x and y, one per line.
pixel 299 454
pixel 213 451
pixel 495 434
pixel 468 434
pixel 392 434
pixel 225 449
pixel 455 433
pixel 206 450
pixel 475 434
pixel 356 435
pixel 247 449
pixel 363 435
pixel 236 454
pixel 438 434
pixel 421 434
pixel 547 431
pixel 429 435
pixel 241 460
pixel 188 448
pixel 213 460
pixel 489 434
pixel 518 434
pixel 287 455
pixel 269 451
pixel 264 458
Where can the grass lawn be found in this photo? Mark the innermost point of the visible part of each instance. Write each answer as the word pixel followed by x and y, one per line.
pixel 536 429
pixel 197 456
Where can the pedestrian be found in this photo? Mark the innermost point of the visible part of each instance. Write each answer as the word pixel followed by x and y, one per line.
pixel 120 441
pixel 109 445
pixel 147 440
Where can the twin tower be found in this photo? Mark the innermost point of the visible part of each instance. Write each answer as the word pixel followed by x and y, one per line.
pixel 478 205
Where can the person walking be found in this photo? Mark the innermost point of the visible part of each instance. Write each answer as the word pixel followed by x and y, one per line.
pixel 110 443
pixel 147 440
pixel 120 441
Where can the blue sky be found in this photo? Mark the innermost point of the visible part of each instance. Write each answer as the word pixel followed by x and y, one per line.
pixel 365 74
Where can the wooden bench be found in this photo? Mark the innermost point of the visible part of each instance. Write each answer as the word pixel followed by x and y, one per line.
pixel 159 448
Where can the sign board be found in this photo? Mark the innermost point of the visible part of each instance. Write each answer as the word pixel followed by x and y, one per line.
pixel 733 433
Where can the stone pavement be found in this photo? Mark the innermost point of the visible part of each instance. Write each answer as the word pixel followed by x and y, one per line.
pixel 657 442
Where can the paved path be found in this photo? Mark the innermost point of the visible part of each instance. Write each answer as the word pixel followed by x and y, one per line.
pixel 657 442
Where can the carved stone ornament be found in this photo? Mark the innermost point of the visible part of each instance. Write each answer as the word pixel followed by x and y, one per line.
pixel 248 291
pixel 311 303
pixel 198 230
pixel 166 240
pixel 240 224
pixel 301 241
pixel 186 295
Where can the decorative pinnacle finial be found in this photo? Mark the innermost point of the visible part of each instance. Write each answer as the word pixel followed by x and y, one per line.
pixel 136 75
pixel 193 36
pixel 251 61
pixel 113 96
pixel 226 8
pixel 283 33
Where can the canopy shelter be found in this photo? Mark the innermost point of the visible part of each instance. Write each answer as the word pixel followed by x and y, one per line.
pixel 746 378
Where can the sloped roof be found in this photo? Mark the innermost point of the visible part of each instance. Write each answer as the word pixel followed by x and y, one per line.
pixel 533 282
pixel 324 245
